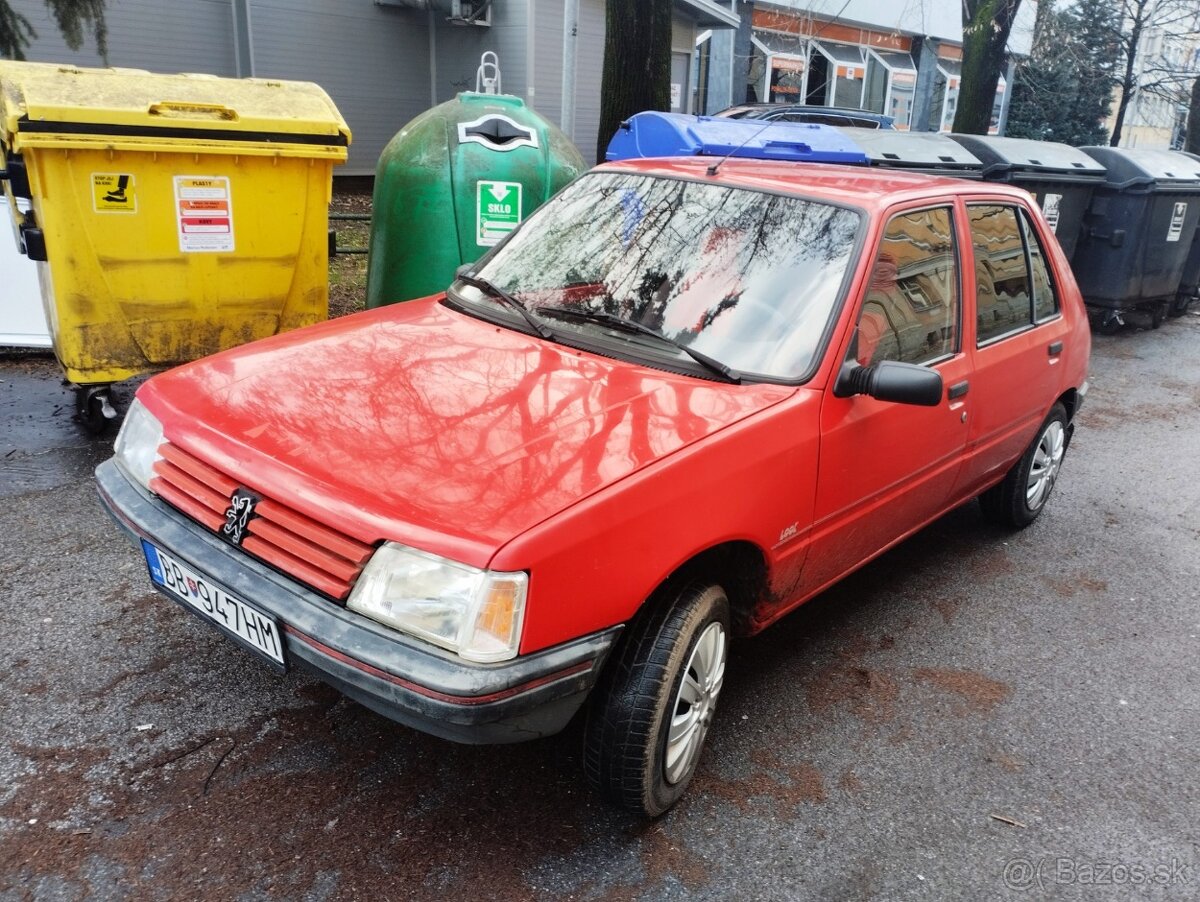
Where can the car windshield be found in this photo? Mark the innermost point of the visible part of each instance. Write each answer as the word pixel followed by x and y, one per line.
pixel 746 278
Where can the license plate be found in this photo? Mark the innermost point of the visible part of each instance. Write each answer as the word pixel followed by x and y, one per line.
pixel 246 624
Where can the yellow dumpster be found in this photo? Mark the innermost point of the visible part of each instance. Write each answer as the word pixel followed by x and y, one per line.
pixel 175 215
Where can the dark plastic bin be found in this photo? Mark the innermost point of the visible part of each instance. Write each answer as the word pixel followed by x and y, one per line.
pixel 924 152
pixel 1189 284
pixel 1060 177
pixel 677 135
pixel 1139 233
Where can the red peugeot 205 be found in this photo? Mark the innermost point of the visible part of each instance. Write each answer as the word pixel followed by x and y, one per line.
pixel 679 401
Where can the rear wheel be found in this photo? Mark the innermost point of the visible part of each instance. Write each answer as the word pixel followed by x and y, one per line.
pixel 1025 489
pixel 651 711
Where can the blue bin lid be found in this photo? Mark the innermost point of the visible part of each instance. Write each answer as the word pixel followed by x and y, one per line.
pixel 677 135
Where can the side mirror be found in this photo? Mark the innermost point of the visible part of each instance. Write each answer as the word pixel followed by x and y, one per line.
pixel 890 380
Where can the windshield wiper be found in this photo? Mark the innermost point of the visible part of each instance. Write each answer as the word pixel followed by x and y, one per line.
pixel 726 372
pixel 495 291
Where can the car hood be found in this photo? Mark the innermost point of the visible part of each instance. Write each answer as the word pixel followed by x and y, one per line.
pixel 419 424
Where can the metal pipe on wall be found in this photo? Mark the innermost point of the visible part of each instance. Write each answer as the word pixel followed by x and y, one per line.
pixel 570 38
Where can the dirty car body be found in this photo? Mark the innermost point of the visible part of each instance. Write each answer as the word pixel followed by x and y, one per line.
pixel 670 408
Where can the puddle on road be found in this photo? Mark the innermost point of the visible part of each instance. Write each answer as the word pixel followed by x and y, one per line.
pixel 42 445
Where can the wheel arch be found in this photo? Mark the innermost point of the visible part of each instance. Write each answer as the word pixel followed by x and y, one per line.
pixel 738 566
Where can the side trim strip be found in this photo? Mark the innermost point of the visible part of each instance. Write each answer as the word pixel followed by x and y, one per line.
pixel 573 670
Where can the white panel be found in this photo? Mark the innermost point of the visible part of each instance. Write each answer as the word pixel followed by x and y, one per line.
pixel 22 319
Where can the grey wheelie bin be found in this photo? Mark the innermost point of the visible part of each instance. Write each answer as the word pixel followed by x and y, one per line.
pixel 1060 177
pixel 924 152
pixel 1138 235
pixel 1189 284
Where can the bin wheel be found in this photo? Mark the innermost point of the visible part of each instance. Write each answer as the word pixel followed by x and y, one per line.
pixel 1157 315
pixel 93 405
pixel 1110 323
pixel 1180 305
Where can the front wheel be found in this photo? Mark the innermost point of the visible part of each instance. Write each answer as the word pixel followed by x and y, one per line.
pixel 1025 489
pixel 651 711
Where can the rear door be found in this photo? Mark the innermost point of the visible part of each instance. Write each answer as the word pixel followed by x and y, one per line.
pixel 887 468
pixel 1017 332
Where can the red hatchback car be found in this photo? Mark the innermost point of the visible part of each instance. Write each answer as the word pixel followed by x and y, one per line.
pixel 678 402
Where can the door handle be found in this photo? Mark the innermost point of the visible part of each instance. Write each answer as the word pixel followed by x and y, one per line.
pixel 957 390
pixel 1055 348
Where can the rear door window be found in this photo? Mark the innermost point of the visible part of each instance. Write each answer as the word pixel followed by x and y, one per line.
pixel 1002 284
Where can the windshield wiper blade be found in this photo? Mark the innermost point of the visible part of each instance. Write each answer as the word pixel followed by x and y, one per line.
pixel 724 370
pixel 495 291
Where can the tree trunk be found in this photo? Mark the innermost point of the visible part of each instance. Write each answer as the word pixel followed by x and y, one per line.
pixel 1192 145
pixel 637 63
pixel 984 40
pixel 1128 83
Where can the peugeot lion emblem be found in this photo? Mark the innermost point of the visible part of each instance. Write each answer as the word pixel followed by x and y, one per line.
pixel 238 515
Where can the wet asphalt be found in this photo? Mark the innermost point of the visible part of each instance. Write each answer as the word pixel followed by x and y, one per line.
pixel 977 715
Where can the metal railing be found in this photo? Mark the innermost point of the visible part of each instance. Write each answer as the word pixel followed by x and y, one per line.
pixel 334 247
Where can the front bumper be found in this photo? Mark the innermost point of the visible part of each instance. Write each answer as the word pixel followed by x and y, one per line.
pixel 400 677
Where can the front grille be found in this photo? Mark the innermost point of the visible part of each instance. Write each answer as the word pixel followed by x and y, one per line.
pixel 298 546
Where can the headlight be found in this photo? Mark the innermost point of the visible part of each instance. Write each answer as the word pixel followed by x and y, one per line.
pixel 137 443
pixel 477 613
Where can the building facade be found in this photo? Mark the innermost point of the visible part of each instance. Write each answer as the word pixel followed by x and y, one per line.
pixel 1166 65
pixel 386 61
pixel 900 59
pixel 382 61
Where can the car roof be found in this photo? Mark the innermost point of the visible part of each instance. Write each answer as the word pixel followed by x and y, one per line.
pixel 857 186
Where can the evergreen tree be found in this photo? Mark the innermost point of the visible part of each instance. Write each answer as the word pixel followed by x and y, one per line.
pixel 1064 90
pixel 1044 81
pixel 1095 27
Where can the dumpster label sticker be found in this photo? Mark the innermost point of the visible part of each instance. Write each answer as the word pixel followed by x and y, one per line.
pixel 113 192
pixel 497 210
pixel 1050 207
pixel 1178 215
pixel 203 213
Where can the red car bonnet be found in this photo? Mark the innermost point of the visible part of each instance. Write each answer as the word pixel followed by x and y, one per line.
pixel 418 424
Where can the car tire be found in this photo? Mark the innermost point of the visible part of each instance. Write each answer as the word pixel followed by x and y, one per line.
pixel 664 678
pixel 1022 495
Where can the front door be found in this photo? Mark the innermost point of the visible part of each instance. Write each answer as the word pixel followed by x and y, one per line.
pixel 888 468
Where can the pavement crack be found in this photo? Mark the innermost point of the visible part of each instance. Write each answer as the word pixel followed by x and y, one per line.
pixel 220 761
pixel 181 755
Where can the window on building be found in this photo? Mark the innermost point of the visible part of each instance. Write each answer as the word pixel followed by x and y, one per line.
pixel 875 89
pixel 846 72
pixel 945 95
pixel 787 79
pixel 902 84
pixel 997 107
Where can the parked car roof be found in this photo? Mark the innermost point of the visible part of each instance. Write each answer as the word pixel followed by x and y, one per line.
pixel 858 186
pixel 799 112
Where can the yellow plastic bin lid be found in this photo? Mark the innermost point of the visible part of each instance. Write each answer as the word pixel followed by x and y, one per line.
pixel 43 105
